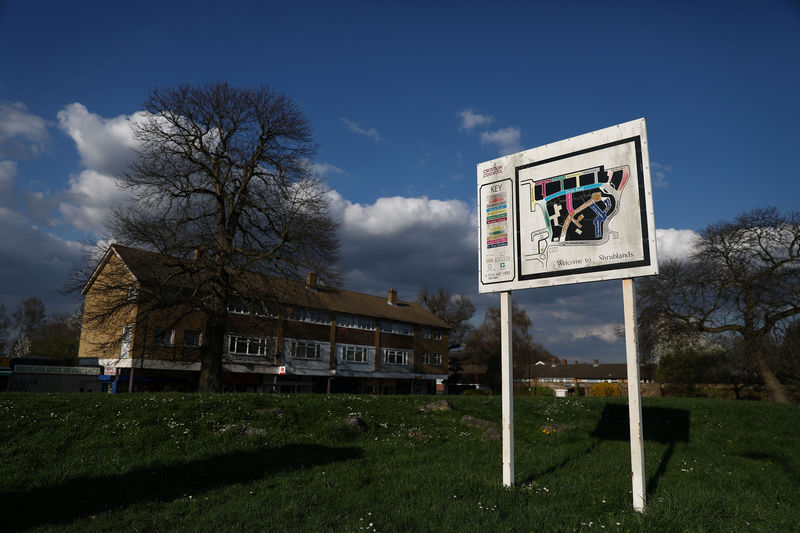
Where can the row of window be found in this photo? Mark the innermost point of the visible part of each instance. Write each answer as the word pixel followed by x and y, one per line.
pixel 316 316
pixel 297 349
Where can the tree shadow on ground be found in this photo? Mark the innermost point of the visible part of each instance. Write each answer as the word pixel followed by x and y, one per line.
pixel 660 424
pixel 85 496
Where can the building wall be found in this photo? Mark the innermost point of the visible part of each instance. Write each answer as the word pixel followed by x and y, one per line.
pixel 101 335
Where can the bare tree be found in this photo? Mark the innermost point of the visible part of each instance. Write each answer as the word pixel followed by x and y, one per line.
pixel 454 310
pixel 221 191
pixel 743 279
pixel 5 324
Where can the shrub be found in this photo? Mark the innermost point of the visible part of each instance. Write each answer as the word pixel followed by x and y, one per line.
pixel 606 390
pixel 477 392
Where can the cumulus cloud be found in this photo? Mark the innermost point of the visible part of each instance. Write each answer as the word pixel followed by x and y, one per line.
pixel 106 147
pixel 357 128
pixel 8 170
pixel 325 169
pixel 22 134
pixel 407 243
pixel 104 144
pixel 34 262
pixel 605 333
pixel 675 243
pixel 470 119
pixel 505 140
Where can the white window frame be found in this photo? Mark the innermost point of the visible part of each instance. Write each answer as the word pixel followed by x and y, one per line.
pixel 352 353
pixel 243 344
pixel 312 316
pixel 437 334
pixel 399 328
pixel 159 338
pixel 355 322
pixel 199 337
pixel 437 359
pixel 307 350
pixel 393 356
pixel 132 291
pixel 426 333
pixel 426 358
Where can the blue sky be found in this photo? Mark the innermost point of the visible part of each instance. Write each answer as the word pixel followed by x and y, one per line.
pixel 404 101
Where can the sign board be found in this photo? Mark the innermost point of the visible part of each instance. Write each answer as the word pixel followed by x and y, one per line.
pixel 282 370
pixel 46 369
pixel 111 371
pixel 574 211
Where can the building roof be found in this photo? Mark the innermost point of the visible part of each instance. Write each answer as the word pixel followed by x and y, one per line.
pixel 144 265
pixel 590 371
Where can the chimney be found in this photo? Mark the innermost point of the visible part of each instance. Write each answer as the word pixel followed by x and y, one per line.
pixel 596 361
pixel 576 361
pixel 563 361
pixel 311 280
pixel 392 297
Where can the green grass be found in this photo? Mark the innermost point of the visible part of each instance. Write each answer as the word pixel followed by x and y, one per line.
pixel 172 462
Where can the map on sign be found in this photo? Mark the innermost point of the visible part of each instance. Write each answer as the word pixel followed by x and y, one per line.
pixel 568 212
pixel 573 209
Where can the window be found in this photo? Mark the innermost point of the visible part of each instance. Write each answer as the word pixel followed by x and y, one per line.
pixel 400 328
pixel 313 316
pixel 395 357
pixel 246 307
pixel 127 334
pixel 131 292
pixel 304 349
pixel 192 338
pixel 355 322
pixel 164 337
pixel 354 354
pixel 437 334
pixel 426 358
pixel 249 345
pixel 437 359
pixel 426 333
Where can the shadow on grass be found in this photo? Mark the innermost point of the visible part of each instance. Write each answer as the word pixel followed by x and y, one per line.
pixel 86 496
pixel 660 424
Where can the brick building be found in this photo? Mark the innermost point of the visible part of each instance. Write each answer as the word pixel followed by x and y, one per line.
pixel 319 338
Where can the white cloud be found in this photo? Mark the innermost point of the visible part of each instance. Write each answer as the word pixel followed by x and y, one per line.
pixel 22 135
pixel 604 332
pixel 406 243
pixel 325 169
pixel 104 144
pixel 675 243
pixel 470 119
pixel 8 170
pixel 357 128
pixel 659 174
pixel 506 140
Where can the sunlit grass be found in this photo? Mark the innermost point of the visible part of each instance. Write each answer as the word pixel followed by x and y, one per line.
pixel 151 462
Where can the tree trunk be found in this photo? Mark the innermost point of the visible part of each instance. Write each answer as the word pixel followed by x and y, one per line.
pixel 775 388
pixel 211 355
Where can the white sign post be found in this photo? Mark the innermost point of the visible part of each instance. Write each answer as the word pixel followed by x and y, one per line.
pixel 507 372
pixel 574 211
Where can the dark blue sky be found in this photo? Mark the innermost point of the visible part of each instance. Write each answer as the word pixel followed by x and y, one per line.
pixel 404 101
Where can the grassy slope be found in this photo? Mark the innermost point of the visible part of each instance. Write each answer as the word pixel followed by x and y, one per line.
pixel 286 463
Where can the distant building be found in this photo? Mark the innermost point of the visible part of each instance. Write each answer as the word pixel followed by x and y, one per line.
pixel 323 338
pixel 583 375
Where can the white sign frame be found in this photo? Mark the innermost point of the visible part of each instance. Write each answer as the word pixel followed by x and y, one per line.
pixel 530 235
